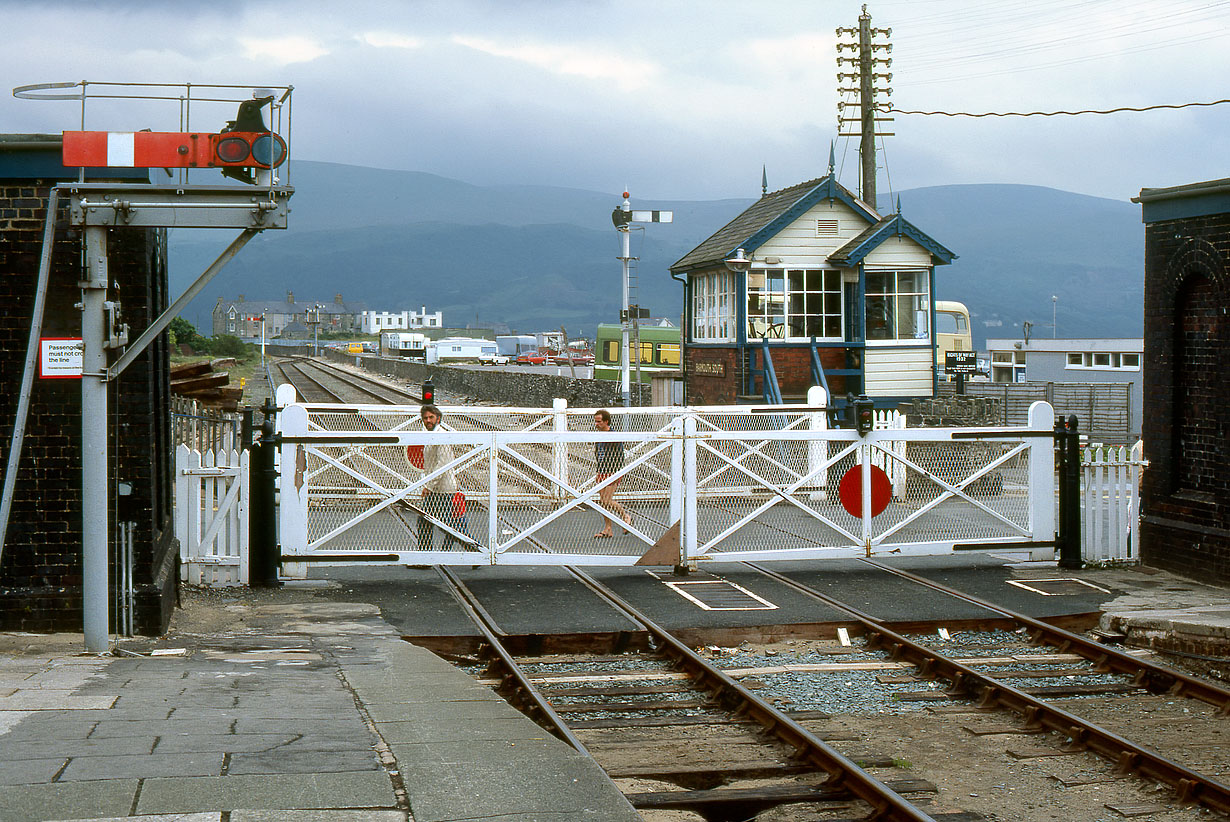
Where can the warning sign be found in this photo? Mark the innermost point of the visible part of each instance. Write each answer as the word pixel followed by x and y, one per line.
pixel 59 358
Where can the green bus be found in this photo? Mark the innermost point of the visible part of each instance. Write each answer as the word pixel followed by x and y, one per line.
pixel 660 351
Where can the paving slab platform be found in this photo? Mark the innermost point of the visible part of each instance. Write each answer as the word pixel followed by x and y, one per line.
pixel 305 703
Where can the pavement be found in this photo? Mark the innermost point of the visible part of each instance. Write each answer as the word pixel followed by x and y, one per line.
pixel 283 705
pixel 298 711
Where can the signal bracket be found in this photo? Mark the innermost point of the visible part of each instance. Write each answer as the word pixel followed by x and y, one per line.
pixel 185 206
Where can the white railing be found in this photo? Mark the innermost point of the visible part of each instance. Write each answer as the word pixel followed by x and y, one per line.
pixel 211 516
pixel 1110 490
pixel 203 428
pixel 720 483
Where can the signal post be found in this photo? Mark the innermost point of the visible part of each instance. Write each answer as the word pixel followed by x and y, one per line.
pixel 248 155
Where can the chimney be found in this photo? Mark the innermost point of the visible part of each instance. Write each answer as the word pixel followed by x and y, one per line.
pixel 290 297
pixel 240 298
pixel 337 298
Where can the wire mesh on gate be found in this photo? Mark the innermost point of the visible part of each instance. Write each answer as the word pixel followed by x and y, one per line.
pixel 736 482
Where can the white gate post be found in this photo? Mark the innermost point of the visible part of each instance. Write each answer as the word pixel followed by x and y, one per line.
pixel 183 516
pixel 818 450
pixel 293 504
pixel 677 474
pixel 1042 479
pixel 688 523
pixel 493 497
pixel 245 533
pixel 865 456
pixel 559 450
pixel 1138 462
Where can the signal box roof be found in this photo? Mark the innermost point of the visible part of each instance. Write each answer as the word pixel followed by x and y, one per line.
pixel 774 212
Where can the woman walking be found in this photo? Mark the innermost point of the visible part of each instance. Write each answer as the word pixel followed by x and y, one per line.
pixel 609 458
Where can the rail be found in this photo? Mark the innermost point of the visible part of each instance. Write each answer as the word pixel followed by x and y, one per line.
pixel 720 688
pixel 991 693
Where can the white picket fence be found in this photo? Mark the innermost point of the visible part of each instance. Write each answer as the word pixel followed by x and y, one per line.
pixel 1110 497
pixel 211 516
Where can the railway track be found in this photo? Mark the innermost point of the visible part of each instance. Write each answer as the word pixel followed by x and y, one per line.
pixel 712 727
pixel 317 381
pixel 802 767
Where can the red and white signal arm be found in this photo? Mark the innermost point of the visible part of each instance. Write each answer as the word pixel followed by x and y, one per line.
pixel 162 149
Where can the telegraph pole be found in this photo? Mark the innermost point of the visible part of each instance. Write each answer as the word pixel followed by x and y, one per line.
pixel 867 62
pixel 867 93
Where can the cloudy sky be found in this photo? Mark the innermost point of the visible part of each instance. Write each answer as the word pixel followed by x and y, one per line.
pixel 679 99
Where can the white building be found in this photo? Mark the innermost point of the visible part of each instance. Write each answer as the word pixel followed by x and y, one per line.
pixel 376 322
pixel 1083 360
pixel 403 344
pixel 421 319
pixel 459 349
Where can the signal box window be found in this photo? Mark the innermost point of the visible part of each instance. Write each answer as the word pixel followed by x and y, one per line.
pixel 713 307
pixel 794 303
pixel 898 304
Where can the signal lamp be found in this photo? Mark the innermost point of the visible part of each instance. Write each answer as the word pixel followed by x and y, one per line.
pixel 864 414
pixel 248 150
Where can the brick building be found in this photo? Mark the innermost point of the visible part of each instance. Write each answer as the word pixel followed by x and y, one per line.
pixel 1185 500
pixel 41 565
pixel 810 286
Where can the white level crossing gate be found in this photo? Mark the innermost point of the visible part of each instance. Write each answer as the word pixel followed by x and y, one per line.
pixel 698 484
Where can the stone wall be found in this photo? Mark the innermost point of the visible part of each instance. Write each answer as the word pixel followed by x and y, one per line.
pixel 955 411
pixel 509 385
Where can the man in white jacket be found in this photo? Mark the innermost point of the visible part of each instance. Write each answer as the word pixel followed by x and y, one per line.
pixel 440 497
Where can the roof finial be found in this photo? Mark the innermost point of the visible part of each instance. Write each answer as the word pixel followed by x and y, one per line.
pixel 832 156
pixel 898 203
pixel 764 180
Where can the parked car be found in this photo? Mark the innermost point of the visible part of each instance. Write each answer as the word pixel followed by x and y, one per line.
pixel 580 358
pixel 531 358
pixel 494 359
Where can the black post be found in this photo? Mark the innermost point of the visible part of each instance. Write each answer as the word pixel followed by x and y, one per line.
pixel 1069 464
pixel 245 430
pixel 264 554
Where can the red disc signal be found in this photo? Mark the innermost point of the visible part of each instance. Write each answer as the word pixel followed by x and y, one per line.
pixel 414 453
pixel 850 489
pixel 232 149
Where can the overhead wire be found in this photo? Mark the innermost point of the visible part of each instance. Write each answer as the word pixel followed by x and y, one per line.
pixel 1140 19
pixel 894 110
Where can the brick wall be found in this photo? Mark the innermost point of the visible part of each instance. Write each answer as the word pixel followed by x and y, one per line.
pixel 40 571
pixel 1185 502
pixel 711 376
pixel 714 376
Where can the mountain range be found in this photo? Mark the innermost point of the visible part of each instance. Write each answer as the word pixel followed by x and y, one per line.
pixel 537 257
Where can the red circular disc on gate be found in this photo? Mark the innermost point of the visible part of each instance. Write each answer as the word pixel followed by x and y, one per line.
pixel 850 489
pixel 414 453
